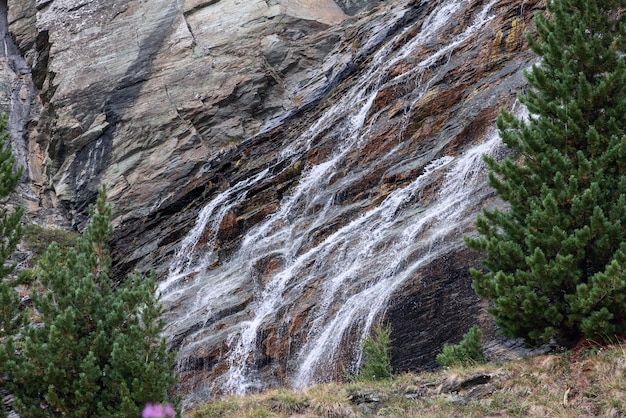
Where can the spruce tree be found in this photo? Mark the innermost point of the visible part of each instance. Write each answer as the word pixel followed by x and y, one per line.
pixel 11 319
pixel 95 348
pixel 376 356
pixel 556 256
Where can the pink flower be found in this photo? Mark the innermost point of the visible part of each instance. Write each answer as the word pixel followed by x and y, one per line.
pixel 158 411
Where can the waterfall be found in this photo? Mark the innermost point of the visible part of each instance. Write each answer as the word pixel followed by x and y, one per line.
pixel 351 257
pixel 397 253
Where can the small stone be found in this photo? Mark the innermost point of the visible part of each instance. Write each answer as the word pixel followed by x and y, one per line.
pixel 613 413
pixel 7 400
pixel 366 397
pixel 456 399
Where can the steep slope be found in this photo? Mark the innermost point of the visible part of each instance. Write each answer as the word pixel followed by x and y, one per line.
pixel 141 95
pixel 293 174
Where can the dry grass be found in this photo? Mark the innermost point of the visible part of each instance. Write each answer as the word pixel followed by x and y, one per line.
pixel 587 381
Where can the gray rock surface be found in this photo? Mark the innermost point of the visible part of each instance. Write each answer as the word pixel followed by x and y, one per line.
pixel 141 95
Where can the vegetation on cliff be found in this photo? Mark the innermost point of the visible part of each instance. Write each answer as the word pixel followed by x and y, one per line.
pixel 556 257
pixel 88 347
pixel 376 362
pixel 468 351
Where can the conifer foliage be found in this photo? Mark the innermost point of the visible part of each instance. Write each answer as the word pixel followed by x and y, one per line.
pixel 556 257
pixel 10 234
pixel 94 349
pixel 376 356
pixel 468 352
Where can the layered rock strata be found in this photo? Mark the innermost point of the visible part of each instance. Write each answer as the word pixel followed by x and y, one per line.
pixel 140 96
pixel 171 103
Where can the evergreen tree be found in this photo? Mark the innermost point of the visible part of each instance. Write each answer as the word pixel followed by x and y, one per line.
pixel 376 356
pixel 556 257
pixel 11 318
pixel 95 350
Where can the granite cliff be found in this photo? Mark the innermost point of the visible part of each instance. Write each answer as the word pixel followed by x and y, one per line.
pixel 294 170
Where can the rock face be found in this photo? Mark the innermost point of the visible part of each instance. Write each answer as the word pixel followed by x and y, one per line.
pixel 294 170
pixel 141 95
pixel 18 101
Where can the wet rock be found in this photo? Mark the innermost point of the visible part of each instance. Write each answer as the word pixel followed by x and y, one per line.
pixel 204 95
pixel 436 307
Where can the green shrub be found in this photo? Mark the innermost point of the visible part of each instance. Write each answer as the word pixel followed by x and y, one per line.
pixel 376 356
pixel 38 239
pixel 468 351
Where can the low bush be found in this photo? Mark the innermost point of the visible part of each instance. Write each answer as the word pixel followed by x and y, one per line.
pixel 376 356
pixel 38 238
pixel 469 351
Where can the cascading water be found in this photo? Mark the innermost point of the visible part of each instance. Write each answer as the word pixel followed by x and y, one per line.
pixel 350 257
pixel 391 253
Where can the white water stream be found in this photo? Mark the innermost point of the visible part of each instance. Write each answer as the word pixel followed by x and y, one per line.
pixel 352 270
